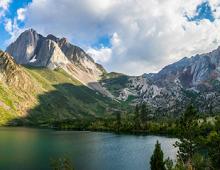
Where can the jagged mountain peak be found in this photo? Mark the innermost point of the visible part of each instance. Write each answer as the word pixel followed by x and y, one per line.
pixel 198 67
pixel 52 37
pixel 25 49
pixel 31 48
pixel 169 89
pixel 192 79
pixel 38 95
pixel 30 31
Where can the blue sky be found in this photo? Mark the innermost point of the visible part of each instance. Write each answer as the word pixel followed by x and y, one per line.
pixel 204 11
pixel 127 36
pixel 10 13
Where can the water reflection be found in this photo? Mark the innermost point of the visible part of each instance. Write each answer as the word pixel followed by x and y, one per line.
pixel 22 148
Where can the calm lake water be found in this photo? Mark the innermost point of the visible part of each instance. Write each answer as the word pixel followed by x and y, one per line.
pixel 32 149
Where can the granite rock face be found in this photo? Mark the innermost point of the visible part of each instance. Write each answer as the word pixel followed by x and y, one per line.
pixel 195 79
pixel 190 80
pixel 33 49
pixel 24 48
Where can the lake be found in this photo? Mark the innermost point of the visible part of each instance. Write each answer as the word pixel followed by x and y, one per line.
pixel 32 149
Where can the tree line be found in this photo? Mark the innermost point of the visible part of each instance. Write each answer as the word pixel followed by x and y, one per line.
pixel 198 145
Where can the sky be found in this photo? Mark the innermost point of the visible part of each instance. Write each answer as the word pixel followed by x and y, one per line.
pixel 127 36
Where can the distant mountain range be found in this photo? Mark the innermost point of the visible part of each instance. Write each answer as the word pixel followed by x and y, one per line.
pixel 44 64
pixel 190 80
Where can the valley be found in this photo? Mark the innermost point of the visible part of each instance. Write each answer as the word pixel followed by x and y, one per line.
pixel 109 85
pixel 46 82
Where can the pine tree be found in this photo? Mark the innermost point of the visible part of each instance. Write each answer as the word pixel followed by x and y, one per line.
pixel 118 117
pixel 156 161
pixel 187 145
pixel 145 111
pixel 213 143
pixel 137 118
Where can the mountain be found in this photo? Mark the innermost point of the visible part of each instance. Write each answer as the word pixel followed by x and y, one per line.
pixel 33 49
pixel 16 88
pixel 195 79
pixel 39 96
pixel 189 80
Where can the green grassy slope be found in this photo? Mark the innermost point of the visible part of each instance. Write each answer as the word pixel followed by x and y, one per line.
pixel 65 98
pixel 115 82
pixel 39 96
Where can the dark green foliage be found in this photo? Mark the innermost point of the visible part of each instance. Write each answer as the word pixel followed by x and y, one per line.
pixel 186 144
pixel 199 162
pixel 62 163
pixel 168 164
pixel 137 118
pixel 118 117
pixel 144 115
pixel 156 161
pixel 69 102
pixel 213 143
pixel 63 98
pixel 144 112
pixel 114 82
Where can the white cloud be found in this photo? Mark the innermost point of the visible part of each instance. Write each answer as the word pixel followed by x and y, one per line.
pixel 146 34
pixel 4 4
pixel 12 28
pixel 21 14
pixel 8 25
pixel 101 55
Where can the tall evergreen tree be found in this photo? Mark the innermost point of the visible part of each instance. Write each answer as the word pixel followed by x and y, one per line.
pixel 143 112
pixel 187 144
pixel 156 161
pixel 137 118
pixel 213 143
pixel 118 117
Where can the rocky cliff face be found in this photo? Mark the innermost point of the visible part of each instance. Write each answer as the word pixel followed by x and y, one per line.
pixel 17 89
pixel 24 49
pixel 195 79
pixel 34 49
pixel 41 96
pixel 13 75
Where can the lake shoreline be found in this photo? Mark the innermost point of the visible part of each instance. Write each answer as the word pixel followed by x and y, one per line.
pixel 33 148
pixel 135 133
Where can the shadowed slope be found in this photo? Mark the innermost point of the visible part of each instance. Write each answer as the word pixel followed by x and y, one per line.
pixel 42 95
pixel 68 102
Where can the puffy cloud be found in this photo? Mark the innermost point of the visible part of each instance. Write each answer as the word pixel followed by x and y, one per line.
pixel 4 4
pixel 8 25
pixel 145 34
pixel 11 26
pixel 21 14
pixel 101 55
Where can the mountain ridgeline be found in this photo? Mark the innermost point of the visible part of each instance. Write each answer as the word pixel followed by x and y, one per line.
pixel 44 79
pixel 191 80
pixel 33 49
pixel 40 96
